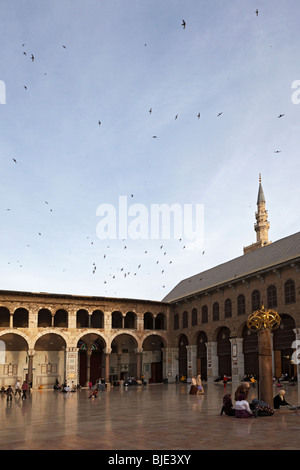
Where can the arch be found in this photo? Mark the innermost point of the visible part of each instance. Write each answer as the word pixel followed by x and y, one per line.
pixel 123 358
pixel 21 318
pixel 44 318
pixel 82 318
pixel 153 358
pixel 97 319
pixel 283 338
pixel 4 317
pixel 130 320
pixel 13 356
pixel 61 318
pixel 148 321
pixel 116 319
pixel 91 358
pixel 160 321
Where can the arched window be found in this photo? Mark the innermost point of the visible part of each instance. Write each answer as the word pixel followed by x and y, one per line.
pixel 204 314
pixel 289 292
pixel 228 308
pixel 44 318
pixel 271 297
pixel 194 317
pixel 241 305
pixel 176 321
pixel 116 320
pixel 255 299
pixel 216 312
pixel 185 320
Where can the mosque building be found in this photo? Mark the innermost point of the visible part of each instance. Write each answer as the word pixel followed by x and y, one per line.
pixel 200 327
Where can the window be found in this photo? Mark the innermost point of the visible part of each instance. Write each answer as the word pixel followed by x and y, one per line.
pixel 194 317
pixel 228 308
pixel 241 305
pixel 271 297
pixel 185 319
pixel 216 313
pixel 289 292
pixel 176 321
pixel 255 299
pixel 204 314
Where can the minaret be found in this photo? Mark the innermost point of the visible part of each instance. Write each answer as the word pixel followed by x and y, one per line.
pixel 262 224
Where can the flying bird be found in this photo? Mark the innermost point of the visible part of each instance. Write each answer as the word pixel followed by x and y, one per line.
pixel 183 24
pixel 32 57
pixel 14 160
pixel 65 47
pixel 256 12
pixel 220 114
pixel 99 123
pixel 150 110
pixel 198 115
pixel 176 116
pixel 280 116
pixel 277 151
pixel 154 137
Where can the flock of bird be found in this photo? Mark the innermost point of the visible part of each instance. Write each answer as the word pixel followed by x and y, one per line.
pixel 125 270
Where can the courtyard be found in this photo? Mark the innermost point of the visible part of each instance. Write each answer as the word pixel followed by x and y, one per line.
pixel 160 417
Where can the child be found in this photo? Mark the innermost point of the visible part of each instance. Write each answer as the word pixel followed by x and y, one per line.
pixel 227 405
pixel 9 393
pixel 94 394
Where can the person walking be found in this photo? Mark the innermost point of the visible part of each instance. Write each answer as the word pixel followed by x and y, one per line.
pixel 9 393
pixel 24 390
pixel 18 388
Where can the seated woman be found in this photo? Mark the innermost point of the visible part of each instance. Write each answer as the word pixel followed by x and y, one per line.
pixel 279 400
pixel 242 408
pixel 193 389
pixel 227 407
pixel 261 408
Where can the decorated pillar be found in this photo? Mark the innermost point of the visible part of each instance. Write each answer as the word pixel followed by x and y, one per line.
pixel 237 359
pixel 107 352
pixel 72 366
pixel 263 321
pixel 212 361
pixel 31 353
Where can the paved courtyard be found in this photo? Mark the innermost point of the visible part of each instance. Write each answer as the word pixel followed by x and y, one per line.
pixel 153 417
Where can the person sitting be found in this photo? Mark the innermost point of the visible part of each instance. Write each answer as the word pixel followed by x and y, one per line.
pixel 261 408
pixel 243 389
pixel 227 407
pixel 279 400
pixel 242 408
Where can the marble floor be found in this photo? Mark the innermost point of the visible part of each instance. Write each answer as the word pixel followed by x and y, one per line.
pixel 153 417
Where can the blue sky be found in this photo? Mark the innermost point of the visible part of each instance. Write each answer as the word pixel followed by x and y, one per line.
pixel 121 58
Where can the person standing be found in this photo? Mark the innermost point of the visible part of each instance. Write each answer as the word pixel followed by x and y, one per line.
pixel 9 393
pixel 200 389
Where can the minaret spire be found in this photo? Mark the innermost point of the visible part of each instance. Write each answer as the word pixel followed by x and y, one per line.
pixel 262 224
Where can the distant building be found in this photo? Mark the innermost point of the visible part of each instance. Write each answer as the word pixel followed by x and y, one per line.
pixel 199 327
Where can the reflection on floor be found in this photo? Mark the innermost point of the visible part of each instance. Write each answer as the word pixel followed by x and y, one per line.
pixel 151 417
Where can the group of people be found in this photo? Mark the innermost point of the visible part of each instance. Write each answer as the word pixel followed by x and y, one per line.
pixel 196 386
pixel 20 391
pixel 244 409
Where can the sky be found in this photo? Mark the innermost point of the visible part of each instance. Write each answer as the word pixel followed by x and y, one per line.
pixel 82 155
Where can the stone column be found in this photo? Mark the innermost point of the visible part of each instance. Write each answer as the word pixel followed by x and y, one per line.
pixel 31 353
pixel 170 365
pixel 237 359
pixel 212 361
pixel 265 366
pixel 139 365
pixel 192 360
pixel 107 352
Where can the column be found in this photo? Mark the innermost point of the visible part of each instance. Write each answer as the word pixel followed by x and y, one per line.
pixel 296 358
pixel 139 362
pixel 107 352
pixel 192 360
pixel 72 366
pixel 31 353
pixel 212 361
pixel 265 366
pixel 88 364
pixel 237 359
